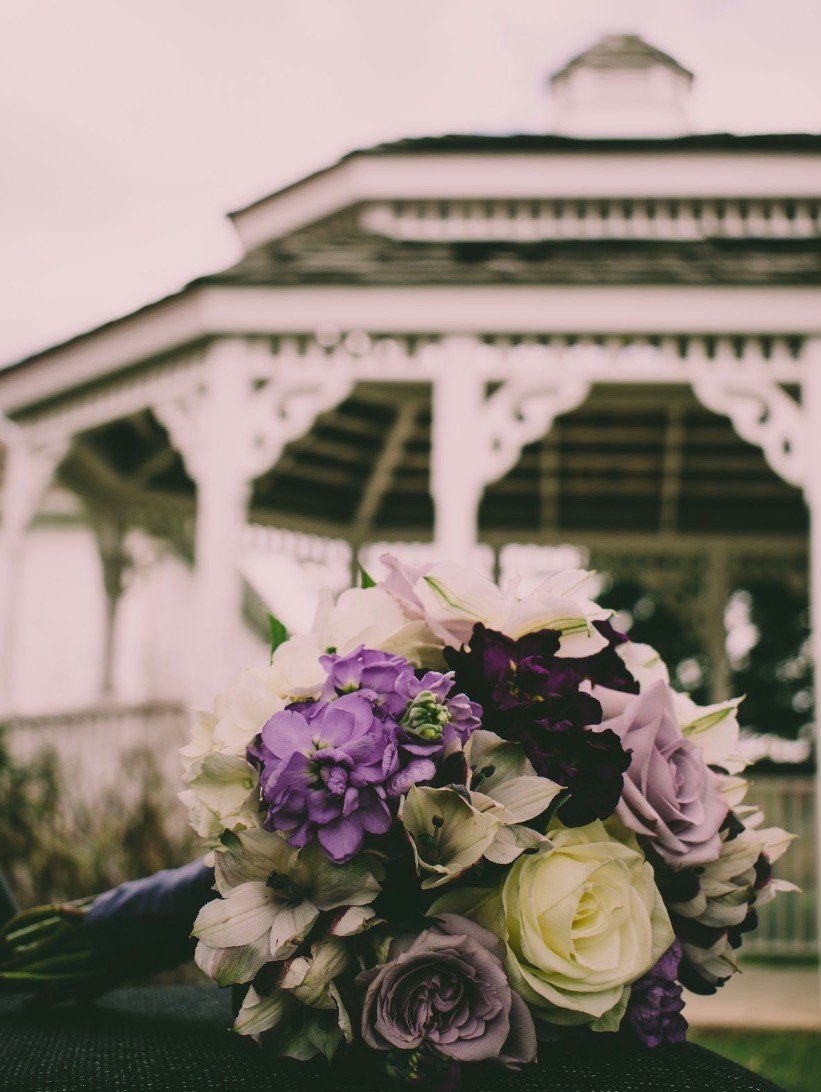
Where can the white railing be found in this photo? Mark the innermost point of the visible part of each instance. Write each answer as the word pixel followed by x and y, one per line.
pixel 787 926
pixel 634 218
pixel 93 745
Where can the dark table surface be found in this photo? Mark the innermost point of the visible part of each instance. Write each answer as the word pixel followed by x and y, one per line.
pixel 175 1039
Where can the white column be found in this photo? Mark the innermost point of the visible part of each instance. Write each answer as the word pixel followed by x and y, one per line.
pixel 230 427
pixel 28 470
pixel 110 535
pixel 812 491
pixel 457 454
pixel 210 427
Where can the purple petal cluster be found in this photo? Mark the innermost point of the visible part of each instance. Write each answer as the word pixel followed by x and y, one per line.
pixel 324 770
pixel 448 992
pixel 670 796
pixel 532 695
pixel 331 769
pixel 656 1003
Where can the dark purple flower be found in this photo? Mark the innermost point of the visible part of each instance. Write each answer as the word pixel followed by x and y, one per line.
pixel 606 667
pixel 323 774
pixel 530 694
pixel 590 764
pixel 654 1008
pixel 447 991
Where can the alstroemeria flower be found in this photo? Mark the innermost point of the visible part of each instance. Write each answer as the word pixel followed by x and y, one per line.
pixel 448 833
pixel 500 772
pixel 304 1006
pixel 272 894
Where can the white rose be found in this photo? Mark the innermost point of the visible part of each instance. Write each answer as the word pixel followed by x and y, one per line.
pixel 245 706
pixel 582 919
pixel 201 742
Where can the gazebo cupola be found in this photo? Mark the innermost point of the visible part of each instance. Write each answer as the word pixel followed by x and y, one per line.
pixel 621 87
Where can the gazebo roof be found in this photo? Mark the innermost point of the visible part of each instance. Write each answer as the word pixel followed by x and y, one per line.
pixel 495 218
pixel 622 51
pixel 326 245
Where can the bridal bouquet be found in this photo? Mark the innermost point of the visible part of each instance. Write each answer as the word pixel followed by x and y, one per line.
pixel 453 820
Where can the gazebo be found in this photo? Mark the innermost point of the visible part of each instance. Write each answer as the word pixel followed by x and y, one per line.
pixel 608 336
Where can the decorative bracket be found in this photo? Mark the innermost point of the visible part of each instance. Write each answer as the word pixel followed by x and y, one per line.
pixel 232 416
pixel 761 412
pixel 29 468
pixel 521 411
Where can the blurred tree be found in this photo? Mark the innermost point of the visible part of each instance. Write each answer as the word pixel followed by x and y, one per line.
pixel 56 847
pixel 775 671
pixel 651 621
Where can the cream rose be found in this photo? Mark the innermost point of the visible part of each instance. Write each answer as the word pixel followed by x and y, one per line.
pixel 582 919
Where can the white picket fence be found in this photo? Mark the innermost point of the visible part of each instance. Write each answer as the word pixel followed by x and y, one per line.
pixel 93 746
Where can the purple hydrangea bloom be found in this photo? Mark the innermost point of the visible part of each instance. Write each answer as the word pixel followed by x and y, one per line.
pixel 324 770
pixel 532 695
pixel 380 676
pixel 654 1009
pixel 427 719
pixel 330 768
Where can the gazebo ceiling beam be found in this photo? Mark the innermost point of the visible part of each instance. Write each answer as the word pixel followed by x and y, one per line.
pixel 384 470
pixel 347 454
pixel 157 463
pixel 633 543
pixel 672 463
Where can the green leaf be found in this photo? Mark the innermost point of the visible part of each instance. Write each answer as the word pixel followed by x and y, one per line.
pixel 279 634
pixel 366 578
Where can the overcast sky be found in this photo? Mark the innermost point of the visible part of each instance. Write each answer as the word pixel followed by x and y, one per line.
pixel 128 128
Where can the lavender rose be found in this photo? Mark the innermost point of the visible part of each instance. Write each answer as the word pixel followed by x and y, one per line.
pixel 654 1009
pixel 448 992
pixel 670 796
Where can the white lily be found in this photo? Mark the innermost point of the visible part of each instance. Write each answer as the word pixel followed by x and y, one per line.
pixel 218 795
pixel 501 773
pixel 644 664
pixel 713 728
pixel 454 599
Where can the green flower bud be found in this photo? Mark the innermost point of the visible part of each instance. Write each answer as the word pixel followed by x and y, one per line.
pixel 426 716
